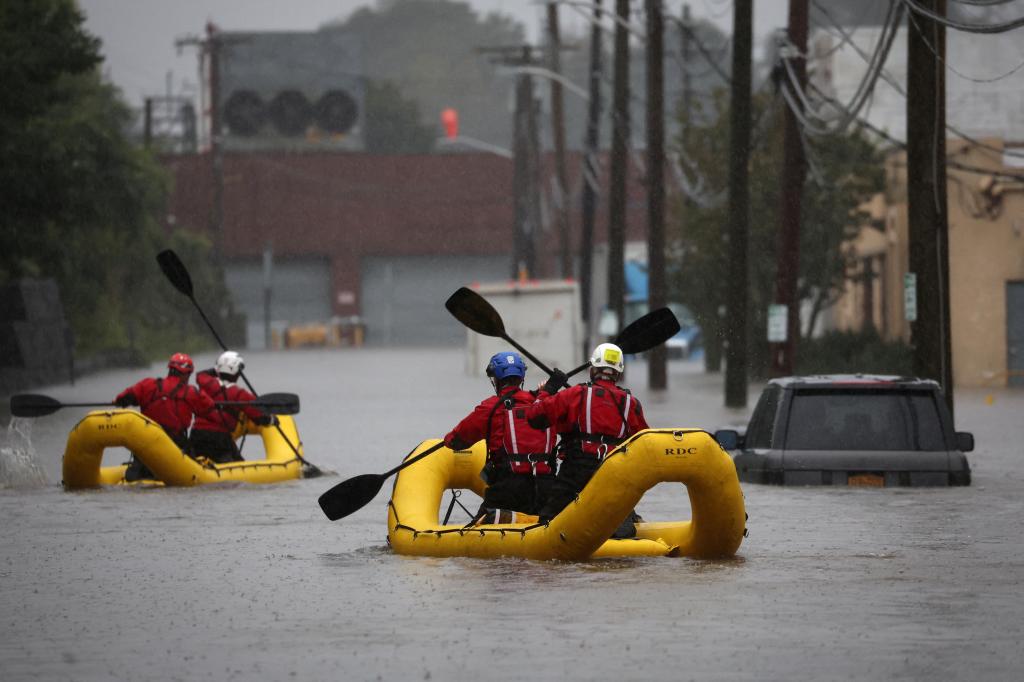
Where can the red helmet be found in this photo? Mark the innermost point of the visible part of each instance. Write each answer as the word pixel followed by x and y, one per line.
pixel 180 362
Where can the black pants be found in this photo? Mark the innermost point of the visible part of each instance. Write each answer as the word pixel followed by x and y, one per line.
pixel 516 492
pixel 137 471
pixel 217 446
pixel 574 474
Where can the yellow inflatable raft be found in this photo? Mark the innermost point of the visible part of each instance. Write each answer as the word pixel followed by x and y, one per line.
pixel 143 436
pixel 688 456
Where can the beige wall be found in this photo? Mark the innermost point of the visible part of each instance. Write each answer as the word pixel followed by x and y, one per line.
pixel 986 233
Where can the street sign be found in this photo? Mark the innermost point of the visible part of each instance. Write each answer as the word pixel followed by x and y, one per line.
pixel 910 296
pixel 777 318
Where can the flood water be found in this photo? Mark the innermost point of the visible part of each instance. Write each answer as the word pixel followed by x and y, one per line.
pixel 252 582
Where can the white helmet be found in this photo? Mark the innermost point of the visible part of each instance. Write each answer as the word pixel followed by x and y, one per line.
pixel 607 355
pixel 230 363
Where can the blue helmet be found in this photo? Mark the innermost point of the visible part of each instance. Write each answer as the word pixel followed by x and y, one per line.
pixel 505 365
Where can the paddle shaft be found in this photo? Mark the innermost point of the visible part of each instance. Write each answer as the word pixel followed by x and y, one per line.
pixel 353 494
pixel 540 365
pixel 223 346
pixel 409 462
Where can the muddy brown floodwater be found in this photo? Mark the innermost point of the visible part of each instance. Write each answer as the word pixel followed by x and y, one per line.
pixel 251 582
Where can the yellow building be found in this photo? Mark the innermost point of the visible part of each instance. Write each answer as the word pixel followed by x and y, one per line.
pixel 986 270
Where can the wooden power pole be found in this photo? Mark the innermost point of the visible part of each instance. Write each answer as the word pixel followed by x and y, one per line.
pixel 620 166
pixel 735 323
pixel 591 174
pixel 657 374
pixel 561 203
pixel 926 196
pixel 794 170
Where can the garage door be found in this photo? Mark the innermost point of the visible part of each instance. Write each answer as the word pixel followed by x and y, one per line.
pixel 300 293
pixel 402 298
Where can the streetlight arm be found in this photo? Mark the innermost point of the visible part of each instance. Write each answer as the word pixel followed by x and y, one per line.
pixel 551 75
pixel 477 144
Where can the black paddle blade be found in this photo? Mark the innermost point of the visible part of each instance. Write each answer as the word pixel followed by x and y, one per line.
pixel 644 333
pixel 351 495
pixel 32 405
pixel 473 310
pixel 175 271
pixel 271 403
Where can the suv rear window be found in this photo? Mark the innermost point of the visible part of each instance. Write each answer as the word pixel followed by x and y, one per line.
pixel 864 419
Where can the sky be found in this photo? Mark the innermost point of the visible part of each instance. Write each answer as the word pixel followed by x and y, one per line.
pixel 139 35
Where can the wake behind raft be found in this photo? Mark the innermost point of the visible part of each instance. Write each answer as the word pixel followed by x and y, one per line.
pixel 688 456
pixel 129 429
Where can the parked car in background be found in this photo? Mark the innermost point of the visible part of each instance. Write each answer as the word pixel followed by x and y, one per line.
pixel 850 430
pixel 684 344
pixel 686 341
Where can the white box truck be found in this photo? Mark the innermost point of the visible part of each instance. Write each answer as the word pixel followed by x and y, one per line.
pixel 542 316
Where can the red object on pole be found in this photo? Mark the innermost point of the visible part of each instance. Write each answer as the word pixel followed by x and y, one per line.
pixel 450 121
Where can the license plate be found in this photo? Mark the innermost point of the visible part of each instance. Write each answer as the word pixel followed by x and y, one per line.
pixel 868 480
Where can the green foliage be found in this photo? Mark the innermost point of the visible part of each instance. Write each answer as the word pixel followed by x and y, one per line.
pixel 80 203
pixel 428 51
pixel 847 170
pixel 854 352
pixel 393 122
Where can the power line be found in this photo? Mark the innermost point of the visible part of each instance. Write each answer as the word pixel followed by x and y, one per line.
pixel 941 58
pixel 898 87
pixel 959 25
pixel 864 89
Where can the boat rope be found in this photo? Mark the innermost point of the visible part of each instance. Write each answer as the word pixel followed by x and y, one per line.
pixel 456 494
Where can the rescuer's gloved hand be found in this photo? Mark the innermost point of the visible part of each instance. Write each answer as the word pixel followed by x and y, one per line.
pixel 555 382
pixel 267 420
pixel 125 401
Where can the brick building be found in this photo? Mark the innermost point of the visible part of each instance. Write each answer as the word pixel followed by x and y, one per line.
pixel 386 238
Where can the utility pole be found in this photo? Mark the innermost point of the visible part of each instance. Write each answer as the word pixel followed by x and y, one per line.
pixel 212 47
pixel 526 160
pixel 735 323
pixel 558 137
pixel 209 56
pixel 619 161
pixel 147 126
pixel 794 169
pixel 591 174
pixel 657 374
pixel 927 216
pixel 684 39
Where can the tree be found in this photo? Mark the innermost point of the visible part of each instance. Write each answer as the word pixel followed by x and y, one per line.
pixel 427 50
pixel 393 122
pixel 80 203
pixel 846 170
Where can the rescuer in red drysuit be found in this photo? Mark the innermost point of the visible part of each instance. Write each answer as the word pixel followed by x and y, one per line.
pixel 213 433
pixel 169 401
pixel 590 419
pixel 519 466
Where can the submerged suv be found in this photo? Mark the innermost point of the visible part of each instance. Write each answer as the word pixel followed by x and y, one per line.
pixel 851 430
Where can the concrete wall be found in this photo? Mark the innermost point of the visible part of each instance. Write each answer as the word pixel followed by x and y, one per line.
pixel 986 244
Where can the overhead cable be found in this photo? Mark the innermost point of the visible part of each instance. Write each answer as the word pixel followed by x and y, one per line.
pixel 928 44
pixel 917 8
pixel 898 87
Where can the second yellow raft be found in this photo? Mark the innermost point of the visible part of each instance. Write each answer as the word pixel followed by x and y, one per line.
pixel 688 456
pixel 83 455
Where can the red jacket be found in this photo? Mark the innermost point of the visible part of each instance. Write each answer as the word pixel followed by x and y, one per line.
pixel 169 401
pixel 504 426
pixel 223 418
pixel 598 415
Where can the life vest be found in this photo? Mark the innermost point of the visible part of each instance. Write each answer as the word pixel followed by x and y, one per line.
pixel 169 407
pixel 526 450
pixel 602 421
pixel 225 417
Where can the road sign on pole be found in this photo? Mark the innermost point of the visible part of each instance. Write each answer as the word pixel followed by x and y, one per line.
pixel 910 296
pixel 778 315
